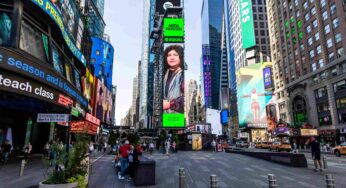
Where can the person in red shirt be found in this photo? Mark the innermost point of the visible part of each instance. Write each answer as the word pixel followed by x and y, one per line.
pixel 123 152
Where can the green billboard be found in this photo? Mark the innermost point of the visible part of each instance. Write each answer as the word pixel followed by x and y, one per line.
pixel 246 20
pixel 173 121
pixel 173 30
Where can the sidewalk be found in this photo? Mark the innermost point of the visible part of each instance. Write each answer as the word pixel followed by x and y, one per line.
pixel 34 172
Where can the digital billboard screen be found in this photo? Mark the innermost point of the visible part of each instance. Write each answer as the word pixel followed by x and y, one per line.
pixel 252 97
pixel 173 30
pixel 267 78
pixel 161 5
pixel 173 86
pixel 224 117
pixel 247 26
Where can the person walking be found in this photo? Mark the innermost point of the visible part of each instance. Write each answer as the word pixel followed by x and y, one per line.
pixel 213 146
pixel 6 151
pixel 27 151
pixel 316 153
pixel 168 145
pixel 151 148
pixel 133 162
pixel 295 147
pixel 174 145
pixel 124 151
pixel 46 149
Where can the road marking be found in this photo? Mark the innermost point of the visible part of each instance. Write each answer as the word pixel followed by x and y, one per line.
pixel 249 169
pixel 97 158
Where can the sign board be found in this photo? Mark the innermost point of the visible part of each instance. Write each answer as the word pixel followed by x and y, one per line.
pixel 173 30
pixel 247 26
pixel 75 112
pixel 45 118
pixel 308 132
pixel 92 119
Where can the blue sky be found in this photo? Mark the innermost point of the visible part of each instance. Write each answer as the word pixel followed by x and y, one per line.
pixel 124 25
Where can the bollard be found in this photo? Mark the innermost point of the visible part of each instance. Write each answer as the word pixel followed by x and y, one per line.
pixel 22 168
pixel 330 181
pixel 181 178
pixel 213 181
pixel 324 160
pixel 272 181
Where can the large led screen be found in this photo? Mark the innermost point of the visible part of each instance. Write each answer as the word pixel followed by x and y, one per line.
pixel 252 97
pixel 173 86
pixel 247 26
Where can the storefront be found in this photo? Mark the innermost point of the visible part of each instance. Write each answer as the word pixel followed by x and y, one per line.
pixel 328 136
pixel 302 135
pixel 342 134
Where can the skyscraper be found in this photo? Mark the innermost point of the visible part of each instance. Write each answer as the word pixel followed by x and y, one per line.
pixel 211 50
pixel 308 51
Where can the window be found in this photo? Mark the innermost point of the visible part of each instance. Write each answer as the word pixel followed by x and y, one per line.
pixel 333 71
pixel 259 2
pixel 77 80
pixel 336 23
pixel 321 63
pixel 57 60
pixel 310 41
pixel 331 56
pixel 307 17
pixel 325 120
pixel 262 32
pixel 313 11
pixel 308 29
pixel 5 28
pixel 260 9
pixel 323 3
pixel 337 37
pixel 342 117
pixel 263 41
pixel 315 24
pixel 329 43
pixel 298 13
pixel 313 67
pixel 68 71
pixel 325 15
pixel 296 2
pixel 326 29
pixel 33 41
pixel 343 67
pixel 341 103
pixel 318 49
pixel 260 17
pixel 332 8
pixel 261 24
pixel 321 92
pixel 317 36
pixel 305 5
pixel 254 9
pixel 339 86
pixel 322 107
pixel 341 52
pixel 282 105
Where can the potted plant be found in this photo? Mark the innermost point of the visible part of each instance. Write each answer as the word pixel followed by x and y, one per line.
pixel 69 171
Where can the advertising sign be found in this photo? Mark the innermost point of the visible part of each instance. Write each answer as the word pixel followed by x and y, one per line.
pixel 5 28
pixel 224 117
pixel 102 59
pixel 55 14
pixel 162 5
pixel 16 63
pixel 46 118
pixel 281 131
pixel 173 30
pixel 101 107
pixel 252 97
pixel 247 26
pixel 83 127
pixel 92 119
pixel 196 141
pixel 203 128
pixel 308 132
pixel 258 135
pixel 267 78
pixel 173 86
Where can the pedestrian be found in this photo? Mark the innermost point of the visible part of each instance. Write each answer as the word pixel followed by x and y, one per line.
pixel 144 146
pixel 316 153
pixel 151 148
pixel 6 151
pixel 174 145
pixel 124 151
pixel 133 162
pixel 104 147
pixel 295 147
pixel 91 147
pixel 213 146
pixel 168 146
pixel 139 149
pixel 46 149
pixel 27 151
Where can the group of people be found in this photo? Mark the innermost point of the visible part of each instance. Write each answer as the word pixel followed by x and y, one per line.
pixel 170 146
pixel 6 149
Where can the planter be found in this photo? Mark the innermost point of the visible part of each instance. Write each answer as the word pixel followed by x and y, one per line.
pixel 65 185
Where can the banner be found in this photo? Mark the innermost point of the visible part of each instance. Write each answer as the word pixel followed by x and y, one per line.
pixel 196 141
pixel 252 97
pixel 162 5
pixel 246 21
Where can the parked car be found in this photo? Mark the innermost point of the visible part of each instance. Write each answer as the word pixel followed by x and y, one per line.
pixel 242 144
pixel 280 146
pixel 340 149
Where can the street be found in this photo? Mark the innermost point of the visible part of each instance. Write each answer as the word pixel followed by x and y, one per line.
pixel 232 170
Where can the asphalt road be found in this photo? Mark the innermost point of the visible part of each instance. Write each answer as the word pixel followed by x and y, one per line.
pixel 232 170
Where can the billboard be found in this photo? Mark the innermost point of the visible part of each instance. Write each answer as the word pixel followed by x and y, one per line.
pixel 213 118
pixel 224 117
pixel 88 84
pixel 252 97
pixel 196 141
pixel 267 78
pixel 5 28
pixel 173 86
pixel 247 26
pixel 101 101
pixel 173 30
pixel 102 59
pixel 161 5
pixel 203 128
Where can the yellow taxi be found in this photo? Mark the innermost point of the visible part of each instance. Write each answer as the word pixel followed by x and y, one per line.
pixel 280 146
pixel 340 149
pixel 263 145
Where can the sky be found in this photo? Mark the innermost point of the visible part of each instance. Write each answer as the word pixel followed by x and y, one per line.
pixel 124 26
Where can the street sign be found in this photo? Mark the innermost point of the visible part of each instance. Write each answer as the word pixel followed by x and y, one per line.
pixel 74 112
pixel 45 118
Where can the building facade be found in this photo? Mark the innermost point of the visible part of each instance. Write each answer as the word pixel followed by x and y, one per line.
pixel 308 50
pixel 211 21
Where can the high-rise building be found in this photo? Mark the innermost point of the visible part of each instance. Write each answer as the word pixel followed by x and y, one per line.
pixel 134 95
pixel 211 51
pixel 224 72
pixel 308 51
pixel 189 97
pixel 96 24
pixel 147 66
